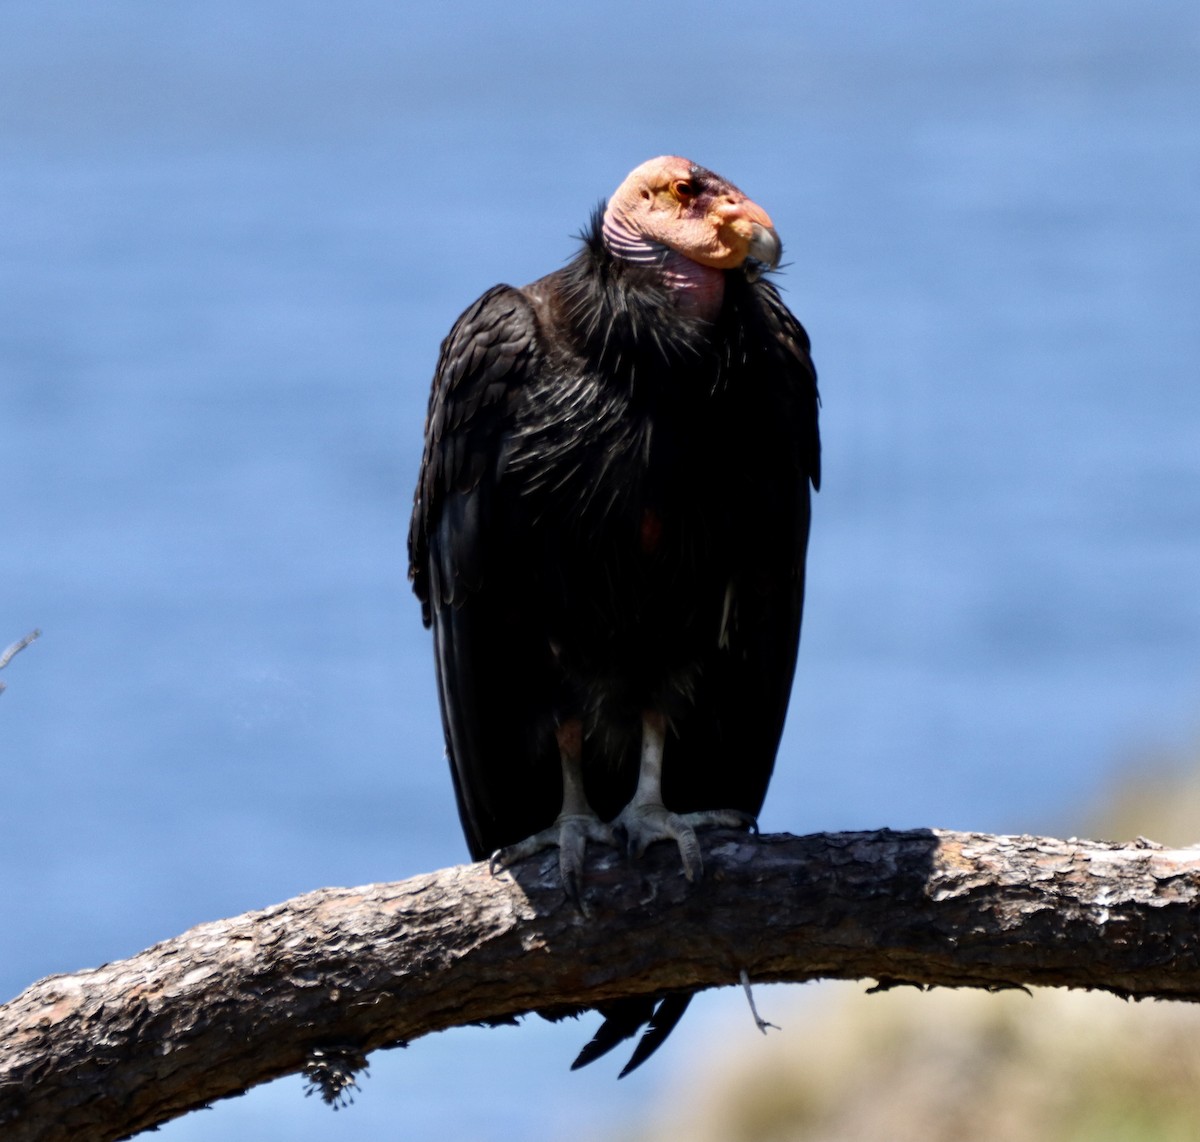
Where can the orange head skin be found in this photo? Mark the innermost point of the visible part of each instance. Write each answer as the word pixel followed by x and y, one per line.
pixel 675 203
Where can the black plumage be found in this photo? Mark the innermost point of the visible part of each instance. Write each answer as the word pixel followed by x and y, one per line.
pixel 611 518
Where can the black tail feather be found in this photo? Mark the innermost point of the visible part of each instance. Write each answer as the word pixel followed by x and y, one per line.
pixel 624 1018
pixel 666 1015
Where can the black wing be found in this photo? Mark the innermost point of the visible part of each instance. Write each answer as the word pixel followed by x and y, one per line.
pixel 453 544
pixel 726 748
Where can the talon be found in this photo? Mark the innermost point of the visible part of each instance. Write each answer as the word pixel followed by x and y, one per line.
pixel 569 834
pixel 572 829
pixel 574 833
pixel 740 820
pixel 511 854
pixel 644 824
pixel 570 885
pixel 689 852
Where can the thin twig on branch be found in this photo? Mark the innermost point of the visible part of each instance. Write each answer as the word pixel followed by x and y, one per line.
pixel 7 656
pixel 339 972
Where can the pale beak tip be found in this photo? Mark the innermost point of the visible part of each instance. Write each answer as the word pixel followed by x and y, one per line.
pixel 764 252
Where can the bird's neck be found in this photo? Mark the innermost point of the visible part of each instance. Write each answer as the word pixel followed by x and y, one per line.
pixel 698 290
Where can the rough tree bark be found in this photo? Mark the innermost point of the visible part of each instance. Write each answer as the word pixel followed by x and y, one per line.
pixel 336 973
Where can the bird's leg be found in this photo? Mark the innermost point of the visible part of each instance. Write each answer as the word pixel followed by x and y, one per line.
pixel 646 819
pixel 575 825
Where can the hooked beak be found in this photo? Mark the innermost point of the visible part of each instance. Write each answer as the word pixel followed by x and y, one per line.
pixel 764 251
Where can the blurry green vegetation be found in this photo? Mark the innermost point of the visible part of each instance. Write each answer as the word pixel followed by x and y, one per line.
pixel 950 1066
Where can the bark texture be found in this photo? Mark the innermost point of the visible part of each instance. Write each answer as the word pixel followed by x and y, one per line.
pixel 104 1053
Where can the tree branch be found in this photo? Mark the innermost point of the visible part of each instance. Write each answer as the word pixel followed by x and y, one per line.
pixel 104 1053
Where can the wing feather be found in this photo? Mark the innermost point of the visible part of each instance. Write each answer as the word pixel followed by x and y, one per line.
pixel 726 748
pixel 488 356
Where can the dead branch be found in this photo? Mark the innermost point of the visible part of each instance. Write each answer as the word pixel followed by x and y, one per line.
pixel 326 977
pixel 7 656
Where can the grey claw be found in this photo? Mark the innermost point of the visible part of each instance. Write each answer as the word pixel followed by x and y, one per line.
pixel 689 853
pixel 643 824
pixel 743 821
pixel 571 846
pixel 569 834
pixel 722 819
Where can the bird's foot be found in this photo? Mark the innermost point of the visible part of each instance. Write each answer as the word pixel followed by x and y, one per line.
pixel 569 834
pixel 643 824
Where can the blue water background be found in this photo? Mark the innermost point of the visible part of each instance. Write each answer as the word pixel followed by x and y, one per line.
pixel 231 238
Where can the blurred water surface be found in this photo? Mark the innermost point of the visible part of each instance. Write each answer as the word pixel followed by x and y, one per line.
pixel 231 238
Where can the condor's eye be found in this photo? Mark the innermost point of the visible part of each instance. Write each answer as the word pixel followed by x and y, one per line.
pixel 683 189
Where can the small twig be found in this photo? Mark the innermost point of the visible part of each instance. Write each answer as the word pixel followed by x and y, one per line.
pixel 16 649
pixel 759 1021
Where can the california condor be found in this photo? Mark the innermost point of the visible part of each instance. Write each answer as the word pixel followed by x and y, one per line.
pixel 609 534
